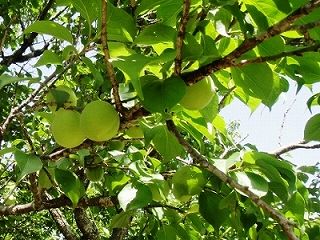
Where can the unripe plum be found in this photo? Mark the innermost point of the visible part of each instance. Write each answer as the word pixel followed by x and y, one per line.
pixel 99 121
pixel 198 95
pixel 66 129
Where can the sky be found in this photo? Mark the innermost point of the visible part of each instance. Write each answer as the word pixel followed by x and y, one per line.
pixel 263 126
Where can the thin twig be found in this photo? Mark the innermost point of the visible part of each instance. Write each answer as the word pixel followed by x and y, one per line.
pixel 298 52
pixel 16 110
pixel 301 145
pixel 27 42
pixel 250 43
pixel 110 70
pixel 224 98
pixel 203 162
pixel 181 35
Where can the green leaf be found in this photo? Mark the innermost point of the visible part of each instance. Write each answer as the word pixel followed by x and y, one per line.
pixel 134 196
pixel 6 79
pixel 27 163
pixel 191 49
pixel 296 207
pixel 271 46
pixel 95 71
pixel 116 181
pixel 161 96
pixel 89 10
pixel 210 111
pixel 51 28
pixel 121 220
pixel 254 182
pixel 156 33
pixel 121 26
pixel 166 232
pixel 49 57
pixel 167 144
pixel 275 10
pixel 7 150
pixel 312 129
pixel 132 67
pixel 70 184
pixel 167 10
pixel 256 80
pixel 209 208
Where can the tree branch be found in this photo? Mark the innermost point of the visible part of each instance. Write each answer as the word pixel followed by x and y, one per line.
pixel 110 70
pixel 250 43
pixel 87 227
pixel 16 110
pixel 224 98
pixel 301 145
pixel 203 162
pixel 298 52
pixel 62 201
pixel 181 35
pixel 62 224
pixel 27 42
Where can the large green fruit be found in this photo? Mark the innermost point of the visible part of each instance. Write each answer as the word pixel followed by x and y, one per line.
pixel 66 129
pixel 198 95
pixel 99 121
pixel 64 94
pixel 187 181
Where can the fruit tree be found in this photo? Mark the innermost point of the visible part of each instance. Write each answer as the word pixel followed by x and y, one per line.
pixel 111 124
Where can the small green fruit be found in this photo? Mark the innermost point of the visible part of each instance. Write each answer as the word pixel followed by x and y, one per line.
pixel 66 129
pixel 94 174
pixel 187 181
pixel 70 101
pixel 198 95
pixel 99 121
pixel 134 132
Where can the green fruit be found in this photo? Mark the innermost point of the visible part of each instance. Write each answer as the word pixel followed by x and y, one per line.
pixel 187 181
pixel 64 94
pixel 66 129
pixel 134 132
pixel 198 95
pixel 99 121
pixel 94 174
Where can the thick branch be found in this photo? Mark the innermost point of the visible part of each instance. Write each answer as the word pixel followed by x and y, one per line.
pixel 62 224
pixel 110 70
pixel 250 43
pixel 27 42
pixel 55 203
pixel 181 35
pixel 36 191
pixel 203 162
pixel 87 227
pixel 301 145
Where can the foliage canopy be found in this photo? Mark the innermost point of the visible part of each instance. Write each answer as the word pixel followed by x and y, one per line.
pixel 170 171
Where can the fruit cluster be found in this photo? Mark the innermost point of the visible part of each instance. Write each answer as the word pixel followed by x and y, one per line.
pixel 99 121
